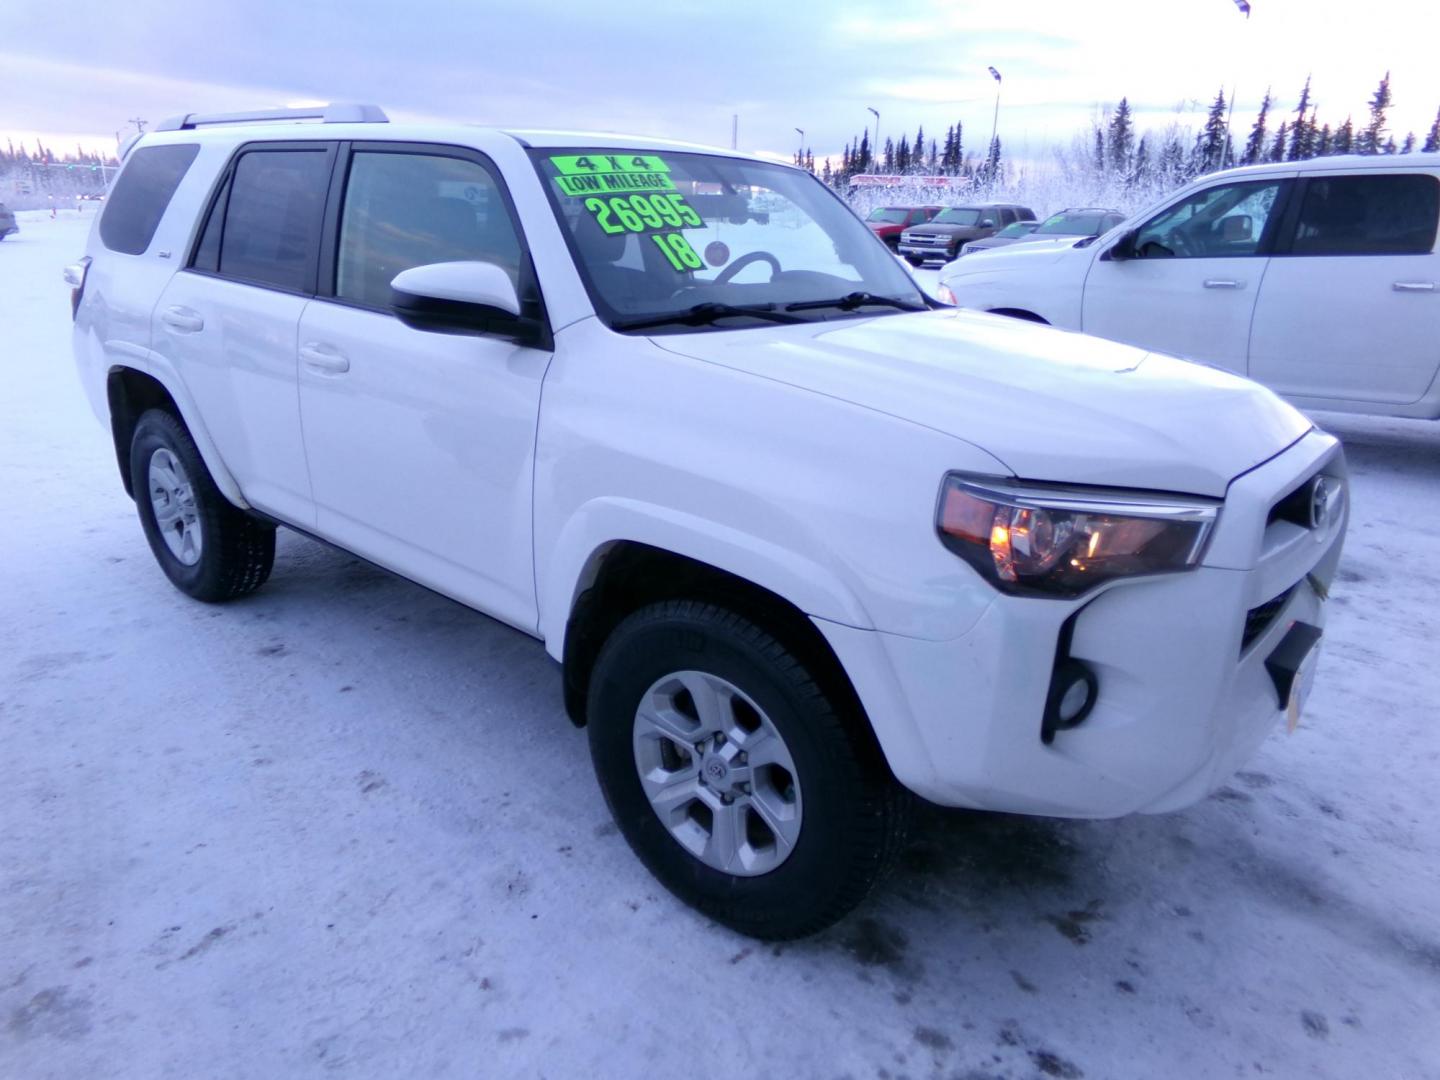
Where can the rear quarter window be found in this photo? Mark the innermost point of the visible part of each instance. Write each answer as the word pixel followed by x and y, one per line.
pixel 141 195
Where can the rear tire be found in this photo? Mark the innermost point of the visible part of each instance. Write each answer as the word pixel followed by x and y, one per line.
pixel 208 548
pixel 815 831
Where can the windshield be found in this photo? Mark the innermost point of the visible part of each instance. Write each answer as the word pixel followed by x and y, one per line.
pixel 956 216
pixel 1020 228
pixel 888 215
pixel 1071 225
pixel 687 239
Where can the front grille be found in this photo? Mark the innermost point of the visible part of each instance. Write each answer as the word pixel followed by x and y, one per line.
pixel 1258 619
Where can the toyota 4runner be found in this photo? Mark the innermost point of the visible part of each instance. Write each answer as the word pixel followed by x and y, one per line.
pixel 804 541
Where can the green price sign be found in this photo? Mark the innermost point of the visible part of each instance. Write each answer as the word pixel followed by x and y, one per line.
pixel 639 213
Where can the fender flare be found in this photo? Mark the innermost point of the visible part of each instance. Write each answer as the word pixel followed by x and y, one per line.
pixel 574 559
pixel 147 362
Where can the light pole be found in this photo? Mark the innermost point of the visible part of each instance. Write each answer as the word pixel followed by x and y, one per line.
pixel 995 123
pixel 800 154
pixel 875 146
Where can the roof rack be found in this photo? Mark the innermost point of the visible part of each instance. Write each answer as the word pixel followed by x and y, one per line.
pixel 326 114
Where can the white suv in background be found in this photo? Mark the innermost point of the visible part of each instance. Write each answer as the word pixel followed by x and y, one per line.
pixel 803 541
pixel 1320 279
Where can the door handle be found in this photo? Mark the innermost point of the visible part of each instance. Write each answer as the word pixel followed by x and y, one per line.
pixel 182 319
pixel 1223 283
pixel 324 360
pixel 1414 286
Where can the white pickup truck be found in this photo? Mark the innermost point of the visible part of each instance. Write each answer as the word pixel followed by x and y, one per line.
pixel 1320 279
pixel 804 541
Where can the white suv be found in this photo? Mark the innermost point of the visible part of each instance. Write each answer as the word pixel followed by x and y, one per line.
pixel 1320 279
pixel 803 541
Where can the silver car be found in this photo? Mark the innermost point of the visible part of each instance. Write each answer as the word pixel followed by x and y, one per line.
pixel 1076 221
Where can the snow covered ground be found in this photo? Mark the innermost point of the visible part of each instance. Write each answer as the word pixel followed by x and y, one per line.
pixel 343 826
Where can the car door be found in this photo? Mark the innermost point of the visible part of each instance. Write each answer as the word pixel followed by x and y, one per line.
pixel 421 444
pixel 1187 284
pixel 1350 307
pixel 228 320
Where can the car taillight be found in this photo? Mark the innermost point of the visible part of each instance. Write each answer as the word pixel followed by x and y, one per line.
pixel 75 275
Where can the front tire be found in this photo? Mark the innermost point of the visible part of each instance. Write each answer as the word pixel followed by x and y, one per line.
pixel 208 548
pixel 749 793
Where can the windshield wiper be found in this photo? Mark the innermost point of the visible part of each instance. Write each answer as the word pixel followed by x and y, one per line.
pixel 705 315
pixel 851 301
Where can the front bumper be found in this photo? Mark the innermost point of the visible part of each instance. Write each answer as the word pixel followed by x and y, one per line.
pixel 938 250
pixel 1181 704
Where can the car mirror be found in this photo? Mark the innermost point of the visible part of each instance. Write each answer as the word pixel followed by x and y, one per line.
pixel 456 298
pixel 1235 229
pixel 987 224
pixel 1124 248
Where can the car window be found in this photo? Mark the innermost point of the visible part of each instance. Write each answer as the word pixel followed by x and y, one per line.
pixel 887 216
pixel 1073 224
pixel 1020 228
pixel 143 191
pixel 1368 215
pixel 955 215
pixel 406 210
pixel 271 217
pixel 1221 221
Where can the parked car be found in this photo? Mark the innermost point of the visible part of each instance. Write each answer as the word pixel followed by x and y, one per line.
pixel 803 541
pixel 1010 234
pixel 1319 278
pixel 7 222
pixel 888 222
pixel 941 238
pixel 1075 222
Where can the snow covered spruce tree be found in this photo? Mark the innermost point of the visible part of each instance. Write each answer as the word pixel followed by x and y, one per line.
pixel 1255 144
pixel 1372 139
pixel 1432 140
pixel 1212 145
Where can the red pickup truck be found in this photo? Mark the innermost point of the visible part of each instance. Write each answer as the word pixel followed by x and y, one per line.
pixel 888 222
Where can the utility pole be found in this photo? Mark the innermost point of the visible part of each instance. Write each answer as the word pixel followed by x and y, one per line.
pixel 875 145
pixel 139 124
pixel 734 131
pixel 800 154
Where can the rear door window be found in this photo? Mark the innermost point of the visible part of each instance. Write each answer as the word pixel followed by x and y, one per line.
pixel 264 227
pixel 141 195
pixel 1386 214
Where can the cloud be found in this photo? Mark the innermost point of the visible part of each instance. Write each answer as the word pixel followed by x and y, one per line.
pixel 682 69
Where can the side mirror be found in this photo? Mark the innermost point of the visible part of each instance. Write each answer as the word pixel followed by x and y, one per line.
pixel 1235 229
pixel 1124 248
pixel 987 224
pixel 456 298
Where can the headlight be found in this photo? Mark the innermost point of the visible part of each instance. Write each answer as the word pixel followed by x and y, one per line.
pixel 1060 542
pixel 944 295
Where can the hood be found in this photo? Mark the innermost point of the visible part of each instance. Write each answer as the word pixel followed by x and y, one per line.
pixel 1051 404
pixel 965 232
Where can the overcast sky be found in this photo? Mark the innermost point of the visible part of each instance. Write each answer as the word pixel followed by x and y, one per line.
pixel 78 71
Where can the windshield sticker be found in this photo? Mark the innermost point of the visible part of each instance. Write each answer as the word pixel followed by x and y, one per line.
pixel 641 213
pixel 603 180
pixel 598 174
pixel 677 249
